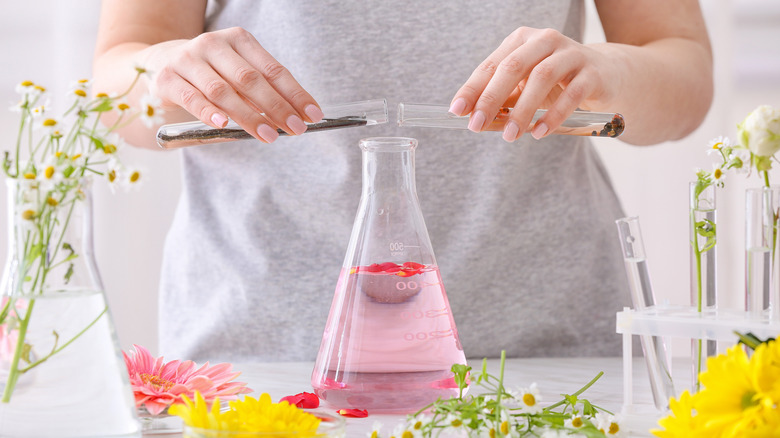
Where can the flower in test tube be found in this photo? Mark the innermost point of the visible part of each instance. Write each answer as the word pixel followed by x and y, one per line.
pixel 157 384
pixel 760 131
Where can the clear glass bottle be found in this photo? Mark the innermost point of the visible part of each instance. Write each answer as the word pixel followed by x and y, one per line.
pixel 390 339
pixel 61 371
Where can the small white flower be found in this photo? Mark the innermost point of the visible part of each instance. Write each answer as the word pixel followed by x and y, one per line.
pixel 529 399
pixel 48 124
pixel 760 131
pixel 376 430
pixel 132 178
pixel 151 114
pixel 718 174
pixel 609 424
pixel 575 422
pixel 113 143
pixel 25 87
pixel 718 143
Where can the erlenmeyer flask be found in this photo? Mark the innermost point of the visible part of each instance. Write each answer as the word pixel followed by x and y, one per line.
pixel 390 340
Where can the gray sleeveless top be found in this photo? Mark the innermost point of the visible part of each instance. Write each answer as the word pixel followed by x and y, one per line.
pixel 523 233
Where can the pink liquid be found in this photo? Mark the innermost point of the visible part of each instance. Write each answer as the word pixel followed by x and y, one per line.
pixel 389 343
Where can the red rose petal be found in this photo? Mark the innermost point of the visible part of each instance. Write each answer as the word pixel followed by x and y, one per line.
pixel 373 268
pixel 353 413
pixel 413 265
pixel 389 267
pixel 304 400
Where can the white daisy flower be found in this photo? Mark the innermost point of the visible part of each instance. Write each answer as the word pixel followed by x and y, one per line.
pixel 609 424
pixel 529 399
pixel 376 430
pixel 575 422
pixel 151 114
pixel 718 143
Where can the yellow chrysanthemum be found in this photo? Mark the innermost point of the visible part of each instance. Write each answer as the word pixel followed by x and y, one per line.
pixel 766 378
pixel 730 405
pixel 682 422
pixel 247 415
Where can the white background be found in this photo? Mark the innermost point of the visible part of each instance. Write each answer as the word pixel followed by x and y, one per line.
pixel 51 43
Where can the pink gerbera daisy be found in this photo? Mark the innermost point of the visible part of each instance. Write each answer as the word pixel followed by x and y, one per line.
pixel 157 385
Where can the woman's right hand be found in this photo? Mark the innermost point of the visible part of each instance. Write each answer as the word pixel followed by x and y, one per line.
pixel 227 73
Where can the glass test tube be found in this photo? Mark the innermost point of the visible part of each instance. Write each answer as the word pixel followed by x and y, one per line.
pixel 364 113
pixel 761 221
pixel 584 123
pixel 653 347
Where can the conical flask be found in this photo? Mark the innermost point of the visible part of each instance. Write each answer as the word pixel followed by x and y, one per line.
pixel 390 340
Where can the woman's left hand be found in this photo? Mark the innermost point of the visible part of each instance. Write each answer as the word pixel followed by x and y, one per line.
pixel 532 69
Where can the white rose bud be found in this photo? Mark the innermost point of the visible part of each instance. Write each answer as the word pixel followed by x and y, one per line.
pixel 760 131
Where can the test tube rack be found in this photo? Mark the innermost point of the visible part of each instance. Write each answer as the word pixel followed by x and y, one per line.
pixel 684 322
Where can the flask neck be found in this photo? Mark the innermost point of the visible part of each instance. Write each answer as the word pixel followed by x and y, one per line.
pixel 388 165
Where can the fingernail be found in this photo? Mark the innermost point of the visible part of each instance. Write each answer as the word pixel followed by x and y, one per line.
pixel 539 130
pixel 219 120
pixel 458 106
pixel 314 113
pixel 267 133
pixel 510 131
pixel 476 122
pixel 296 125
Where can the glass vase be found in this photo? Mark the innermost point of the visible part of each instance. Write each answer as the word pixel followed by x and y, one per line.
pixel 762 206
pixel 703 239
pixel 62 371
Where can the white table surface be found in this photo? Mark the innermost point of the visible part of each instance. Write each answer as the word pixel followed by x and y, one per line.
pixel 553 377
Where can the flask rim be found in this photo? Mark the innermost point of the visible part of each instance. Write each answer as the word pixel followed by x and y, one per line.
pixel 387 144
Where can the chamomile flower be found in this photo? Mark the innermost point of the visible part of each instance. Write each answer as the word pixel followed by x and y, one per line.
pixel 718 143
pixel 25 87
pixel 48 124
pixel 609 425
pixel 112 144
pixel 151 114
pixel 376 430
pixel 529 399
pixel 575 422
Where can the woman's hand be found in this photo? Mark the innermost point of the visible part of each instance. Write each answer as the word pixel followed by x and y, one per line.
pixel 532 69
pixel 227 73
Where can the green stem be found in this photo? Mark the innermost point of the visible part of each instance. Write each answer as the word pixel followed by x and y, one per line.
pixel 57 350
pixel 766 177
pixel 697 256
pixel 14 372
pixel 580 391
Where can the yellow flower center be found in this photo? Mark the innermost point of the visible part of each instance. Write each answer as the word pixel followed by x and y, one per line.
pixel 51 201
pixel 101 95
pixel 111 176
pixel 492 433
pixel 529 399
pixel 456 422
pixel 717 174
pixel 80 93
pixel 49 122
pixel 109 149
pixel 75 157
pixel 49 172
pixel 83 81
pixel 123 107
pixel 149 110
pixel 374 434
pixel 407 434
pixel 614 428
pixel 717 145
pixel 505 427
pixel 576 422
pixel 156 382
pixel 28 215
pixel 135 176
pixel 26 83
pixel 39 88
pixel 29 175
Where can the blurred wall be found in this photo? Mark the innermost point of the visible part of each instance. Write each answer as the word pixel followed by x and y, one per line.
pixel 51 42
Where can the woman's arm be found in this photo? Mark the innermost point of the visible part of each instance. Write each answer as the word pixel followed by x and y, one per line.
pixel 655 69
pixel 212 75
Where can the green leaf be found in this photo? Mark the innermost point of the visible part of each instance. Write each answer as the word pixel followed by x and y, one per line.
pixel 103 106
pixel 26 350
pixel 69 273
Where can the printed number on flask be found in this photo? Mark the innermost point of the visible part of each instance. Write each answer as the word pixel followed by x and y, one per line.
pixel 422 336
pixel 396 247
